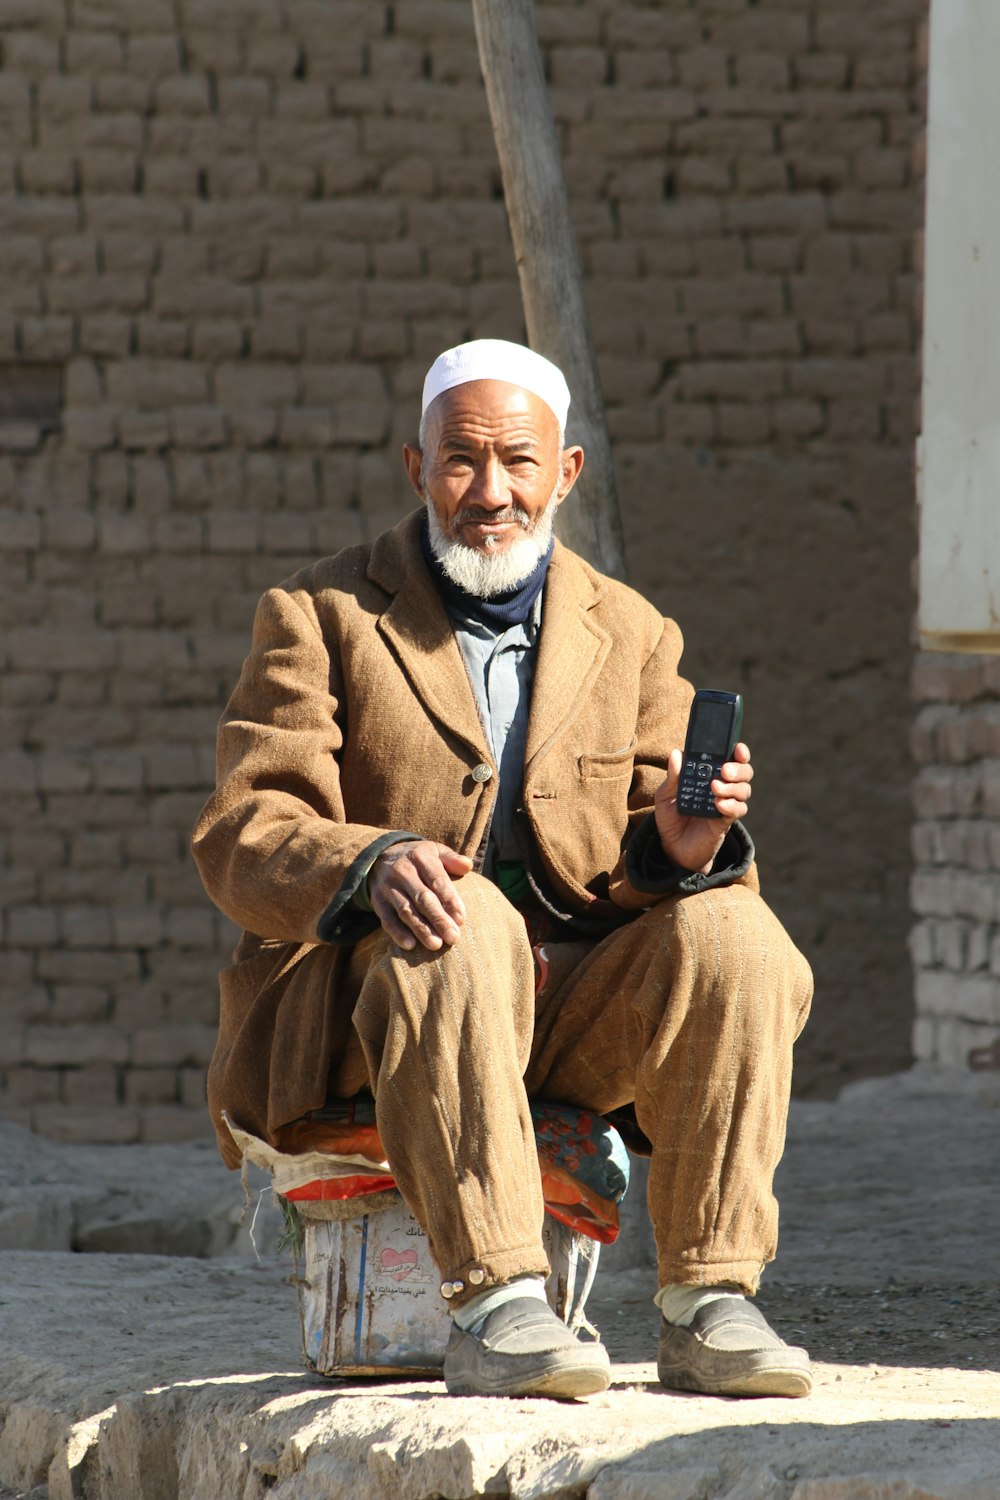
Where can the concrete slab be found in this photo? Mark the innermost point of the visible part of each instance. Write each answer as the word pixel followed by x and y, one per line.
pixel 149 1377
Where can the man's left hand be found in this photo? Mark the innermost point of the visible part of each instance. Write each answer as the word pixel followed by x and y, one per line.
pixel 693 843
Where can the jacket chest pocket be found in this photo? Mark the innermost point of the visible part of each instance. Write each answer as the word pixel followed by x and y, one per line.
pixel 607 765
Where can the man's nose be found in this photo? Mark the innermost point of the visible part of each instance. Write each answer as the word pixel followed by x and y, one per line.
pixel 490 488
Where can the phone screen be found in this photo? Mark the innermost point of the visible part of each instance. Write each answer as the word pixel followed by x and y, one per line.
pixel 711 728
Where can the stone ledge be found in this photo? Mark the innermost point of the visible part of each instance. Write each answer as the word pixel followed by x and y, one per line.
pixel 147 1379
pixel 143 1377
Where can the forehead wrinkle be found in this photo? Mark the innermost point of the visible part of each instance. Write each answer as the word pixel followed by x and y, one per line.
pixel 466 435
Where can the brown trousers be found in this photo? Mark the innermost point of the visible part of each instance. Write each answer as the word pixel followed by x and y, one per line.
pixel 690 1011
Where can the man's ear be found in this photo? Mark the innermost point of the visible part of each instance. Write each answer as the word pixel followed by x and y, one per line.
pixel 413 458
pixel 570 464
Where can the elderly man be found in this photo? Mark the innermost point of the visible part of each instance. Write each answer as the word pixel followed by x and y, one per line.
pixel 449 752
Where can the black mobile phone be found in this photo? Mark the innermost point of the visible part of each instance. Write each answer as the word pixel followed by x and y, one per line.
pixel 713 729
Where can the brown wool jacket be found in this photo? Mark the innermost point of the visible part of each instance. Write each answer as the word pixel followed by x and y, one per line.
pixel 354 722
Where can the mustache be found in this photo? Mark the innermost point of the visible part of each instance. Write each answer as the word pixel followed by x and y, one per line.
pixel 512 513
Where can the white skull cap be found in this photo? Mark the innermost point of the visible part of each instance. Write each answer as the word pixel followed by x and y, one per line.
pixel 496 359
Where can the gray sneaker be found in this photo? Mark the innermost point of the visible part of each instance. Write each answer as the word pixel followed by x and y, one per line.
pixel 523 1349
pixel 731 1350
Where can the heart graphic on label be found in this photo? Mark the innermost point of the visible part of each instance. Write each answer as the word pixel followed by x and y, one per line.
pixel 398 1263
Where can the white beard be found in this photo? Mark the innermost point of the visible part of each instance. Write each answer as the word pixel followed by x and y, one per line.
pixel 486 574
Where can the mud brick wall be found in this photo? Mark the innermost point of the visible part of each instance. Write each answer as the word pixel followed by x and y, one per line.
pixel 956 850
pixel 234 233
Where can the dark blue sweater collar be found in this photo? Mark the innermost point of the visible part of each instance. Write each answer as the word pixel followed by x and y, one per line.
pixel 513 607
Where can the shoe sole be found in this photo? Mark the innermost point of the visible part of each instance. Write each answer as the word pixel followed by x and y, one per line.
pixel 563 1380
pixel 760 1375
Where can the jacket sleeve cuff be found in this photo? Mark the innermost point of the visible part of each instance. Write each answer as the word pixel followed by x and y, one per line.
pixel 345 921
pixel 652 873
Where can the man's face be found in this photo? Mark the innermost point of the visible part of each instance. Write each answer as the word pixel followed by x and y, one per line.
pixel 491 463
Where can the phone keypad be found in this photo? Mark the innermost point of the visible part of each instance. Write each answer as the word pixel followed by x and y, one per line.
pixel 695 798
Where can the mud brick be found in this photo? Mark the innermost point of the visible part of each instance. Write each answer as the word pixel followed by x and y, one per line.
pixel 29 54
pixel 170 767
pixel 198 427
pixel 128 252
pixel 932 893
pixel 154 56
pixel 946 678
pixel 278 337
pixel 763 70
pixel 22 255
pixel 117 770
pixel 255 385
pixel 235 177
pixel 201 297
pixel 163 1123
pixel 877 169
pixel 137 927
pixel 144 651
pixel 161 337
pixel 976 895
pixel 762 175
pixel 84 385
pixel 123 534
pixel 20 531
pixel 138 431
pixel 174 1046
pixel 97 293
pixel 303 101
pixel 108 334
pixel 152 1086
pixel 192 1088
pixel 272 55
pixel 74 1046
pixel 28 1086
pixel 112 1126
pixel 60 771
pixel 217 338
pixel 742 425
pixel 48 170
pixel 60 98
pixel 577 67
pixel 233 533
pixel 249 97
pixel 822 70
pixel 31 926
pixel 183 94
pixel 652 30
pixel 324 384
pixel 92 1087
pixel 301 482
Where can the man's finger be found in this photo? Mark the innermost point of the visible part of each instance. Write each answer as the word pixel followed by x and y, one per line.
pixel 451 902
pixel 422 931
pixel 431 871
pixel 456 864
pixel 422 912
pixel 739 789
pixel 735 770
pixel 392 925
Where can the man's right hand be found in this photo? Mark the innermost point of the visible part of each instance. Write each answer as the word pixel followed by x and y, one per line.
pixel 411 888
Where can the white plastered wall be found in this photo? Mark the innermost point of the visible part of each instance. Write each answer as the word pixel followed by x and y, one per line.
pixel 959 458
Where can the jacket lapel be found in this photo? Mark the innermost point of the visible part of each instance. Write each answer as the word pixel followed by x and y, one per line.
pixel 572 648
pixel 420 633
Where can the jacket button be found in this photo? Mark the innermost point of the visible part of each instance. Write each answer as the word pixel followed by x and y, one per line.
pixel 482 772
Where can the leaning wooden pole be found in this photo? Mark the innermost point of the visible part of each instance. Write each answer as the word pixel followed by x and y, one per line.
pixel 548 263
